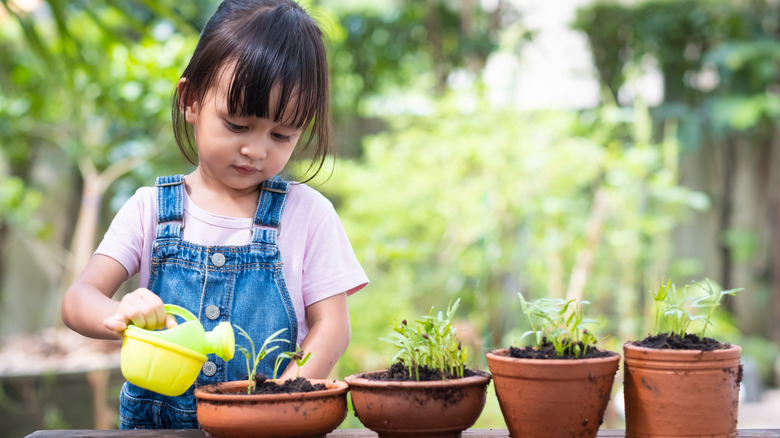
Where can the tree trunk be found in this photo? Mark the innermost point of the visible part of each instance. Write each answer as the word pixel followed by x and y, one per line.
pixel 751 233
pixel 4 229
pixel 433 24
pixel 86 226
pixel 95 184
pixel 585 256
pixel 773 216
pixel 726 198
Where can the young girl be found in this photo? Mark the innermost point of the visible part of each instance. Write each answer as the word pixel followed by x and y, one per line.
pixel 232 241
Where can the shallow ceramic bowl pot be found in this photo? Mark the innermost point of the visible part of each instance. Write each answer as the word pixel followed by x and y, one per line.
pixel 234 413
pixel 441 408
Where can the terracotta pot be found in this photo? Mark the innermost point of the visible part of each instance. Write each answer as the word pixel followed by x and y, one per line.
pixel 552 397
pixel 302 414
pixel 681 393
pixel 441 408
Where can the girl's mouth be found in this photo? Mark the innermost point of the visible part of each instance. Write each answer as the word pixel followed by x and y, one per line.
pixel 246 170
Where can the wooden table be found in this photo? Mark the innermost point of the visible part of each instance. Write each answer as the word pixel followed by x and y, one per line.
pixel 338 433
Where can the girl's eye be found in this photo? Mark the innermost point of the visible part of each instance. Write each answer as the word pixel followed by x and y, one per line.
pixel 281 138
pixel 235 128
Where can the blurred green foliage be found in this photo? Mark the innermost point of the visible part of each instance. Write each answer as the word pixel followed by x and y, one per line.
pixel 484 204
pixel 479 203
pixel 395 45
pixel 720 60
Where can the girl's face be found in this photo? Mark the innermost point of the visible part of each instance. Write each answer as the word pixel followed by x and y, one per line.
pixel 238 152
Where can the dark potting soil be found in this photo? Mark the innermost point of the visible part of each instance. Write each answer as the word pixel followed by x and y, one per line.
pixel 265 386
pixel 676 342
pixel 400 372
pixel 547 351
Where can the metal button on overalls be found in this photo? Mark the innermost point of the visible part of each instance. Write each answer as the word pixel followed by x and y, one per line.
pixel 218 259
pixel 212 312
pixel 209 368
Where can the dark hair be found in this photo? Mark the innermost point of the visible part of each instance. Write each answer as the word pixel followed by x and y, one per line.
pixel 271 43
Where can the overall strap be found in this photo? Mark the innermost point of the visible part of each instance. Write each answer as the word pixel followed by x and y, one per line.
pixel 170 206
pixel 269 207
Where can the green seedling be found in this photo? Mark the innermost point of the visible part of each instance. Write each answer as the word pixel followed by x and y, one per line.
pixel 559 322
pixel 296 355
pixel 711 301
pixel 673 309
pixel 433 344
pixel 254 358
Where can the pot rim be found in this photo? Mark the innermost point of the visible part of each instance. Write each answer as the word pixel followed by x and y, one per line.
pixel 358 380
pixel 502 354
pixel 631 350
pixel 333 388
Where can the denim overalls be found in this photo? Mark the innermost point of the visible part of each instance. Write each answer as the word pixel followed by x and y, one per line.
pixel 240 284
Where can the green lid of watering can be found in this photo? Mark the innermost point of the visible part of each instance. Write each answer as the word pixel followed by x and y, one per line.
pixel 168 361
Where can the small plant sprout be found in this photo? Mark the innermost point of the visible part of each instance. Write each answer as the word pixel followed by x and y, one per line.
pixel 673 309
pixel 559 322
pixel 432 344
pixel 710 301
pixel 296 355
pixel 671 313
pixel 254 358
pixel 658 298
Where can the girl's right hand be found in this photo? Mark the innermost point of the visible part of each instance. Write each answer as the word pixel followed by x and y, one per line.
pixel 142 308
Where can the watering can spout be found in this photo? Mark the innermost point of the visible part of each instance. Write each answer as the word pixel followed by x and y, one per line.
pixel 221 341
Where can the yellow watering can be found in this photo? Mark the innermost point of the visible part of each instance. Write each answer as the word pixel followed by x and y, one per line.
pixel 168 361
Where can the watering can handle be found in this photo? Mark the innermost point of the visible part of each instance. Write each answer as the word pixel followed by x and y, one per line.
pixel 180 311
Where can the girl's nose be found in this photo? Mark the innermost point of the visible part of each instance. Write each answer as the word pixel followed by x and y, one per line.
pixel 255 150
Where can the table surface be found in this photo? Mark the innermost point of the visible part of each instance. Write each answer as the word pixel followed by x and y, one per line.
pixel 338 433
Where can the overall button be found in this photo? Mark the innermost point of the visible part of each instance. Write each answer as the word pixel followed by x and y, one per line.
pixel 218 259
pixel 212 312
pixel 209 368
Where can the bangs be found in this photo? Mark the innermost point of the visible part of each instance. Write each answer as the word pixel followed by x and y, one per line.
pixel 274 74
pixel 276 55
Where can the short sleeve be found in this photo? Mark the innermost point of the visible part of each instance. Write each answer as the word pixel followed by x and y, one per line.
pixel 124 240
pixel 330 266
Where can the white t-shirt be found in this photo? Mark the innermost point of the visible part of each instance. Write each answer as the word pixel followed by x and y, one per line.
pixel 318 260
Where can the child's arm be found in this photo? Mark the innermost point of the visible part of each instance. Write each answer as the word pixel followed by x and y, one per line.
pixel 87 307
pixel 327 339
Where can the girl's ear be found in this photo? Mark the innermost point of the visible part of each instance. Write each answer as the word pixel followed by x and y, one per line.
pixel 187 105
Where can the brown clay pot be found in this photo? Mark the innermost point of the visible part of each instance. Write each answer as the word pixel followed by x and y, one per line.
pixel 234 413
pixel 681 393
pixel 435 409
pixel 552 397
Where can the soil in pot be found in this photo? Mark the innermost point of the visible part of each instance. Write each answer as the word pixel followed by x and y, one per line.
pixel 300 384
pixel 265 386
pixel 400 373
pixel 674 341
pixel 547 351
